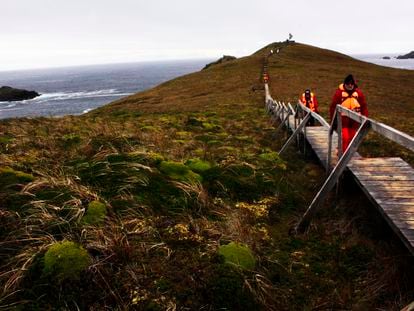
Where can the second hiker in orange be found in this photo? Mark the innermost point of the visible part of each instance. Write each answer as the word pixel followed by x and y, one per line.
pixel 349 96
pixel 308 98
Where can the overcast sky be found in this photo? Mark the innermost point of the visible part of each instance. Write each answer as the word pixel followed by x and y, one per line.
pixel 46 33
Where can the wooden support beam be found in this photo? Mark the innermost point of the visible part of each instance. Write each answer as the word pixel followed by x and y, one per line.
pixel 333 177
pixel 296 132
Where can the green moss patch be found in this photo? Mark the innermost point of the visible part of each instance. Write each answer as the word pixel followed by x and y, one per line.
pixel 10 177
pixel 150 128
pixel 198 165
pixel 95 213
pixel 147 158
pixel 65 261
pixel 178 171
pixel 206 138
pixel 211 126
pixel 273 159
pixel 238 254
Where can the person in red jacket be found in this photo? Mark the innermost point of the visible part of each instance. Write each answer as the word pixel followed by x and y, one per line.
pixel 349 96
pixel 308 98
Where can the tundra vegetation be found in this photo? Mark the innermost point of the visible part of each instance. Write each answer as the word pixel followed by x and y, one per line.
pixel 175 198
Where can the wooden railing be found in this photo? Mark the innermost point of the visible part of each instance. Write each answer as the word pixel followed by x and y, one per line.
pixel 302 114
pixel 366 124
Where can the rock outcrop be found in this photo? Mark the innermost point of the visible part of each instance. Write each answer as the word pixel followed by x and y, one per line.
pixel 406 56
pixel 8 94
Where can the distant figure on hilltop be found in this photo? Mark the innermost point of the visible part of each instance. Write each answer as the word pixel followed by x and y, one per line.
pixel 308 98
pixel 265 77
pixel 349 96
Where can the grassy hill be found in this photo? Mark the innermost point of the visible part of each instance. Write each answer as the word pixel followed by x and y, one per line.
pixel 175 198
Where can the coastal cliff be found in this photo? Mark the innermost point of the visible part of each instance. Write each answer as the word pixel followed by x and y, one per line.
pixel 406 56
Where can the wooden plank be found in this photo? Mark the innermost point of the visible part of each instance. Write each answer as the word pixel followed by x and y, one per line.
pixel 401 216
pixel 396 206
pixel 398 201
pixel 385 178
pixel 408 224
pixel 393 169
pixel 378 162
pixel 384 171
pixel 396 193
pixel 386 185
pixel 401 183
pixel 322 135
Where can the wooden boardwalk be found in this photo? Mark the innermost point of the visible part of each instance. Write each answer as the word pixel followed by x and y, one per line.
pixel 317 137
pixel 387 182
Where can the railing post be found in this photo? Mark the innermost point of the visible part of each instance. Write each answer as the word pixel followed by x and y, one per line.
pixel 304 138
pixel 339 131
pixel 330 133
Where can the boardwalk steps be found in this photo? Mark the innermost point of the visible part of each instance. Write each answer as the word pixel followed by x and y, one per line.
pixel 387 182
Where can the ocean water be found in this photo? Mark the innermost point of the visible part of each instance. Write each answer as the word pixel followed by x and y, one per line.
pixel 392 62
pixel 77 90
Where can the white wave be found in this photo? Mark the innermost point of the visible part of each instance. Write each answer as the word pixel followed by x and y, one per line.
pixel 61 96
pixel 79 95
pixel 87 110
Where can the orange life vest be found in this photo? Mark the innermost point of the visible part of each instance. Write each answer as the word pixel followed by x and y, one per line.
pixel 310 103
pixel 350 101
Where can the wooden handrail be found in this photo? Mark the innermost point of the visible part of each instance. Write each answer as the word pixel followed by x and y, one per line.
pixel 387 131
pixel 315 115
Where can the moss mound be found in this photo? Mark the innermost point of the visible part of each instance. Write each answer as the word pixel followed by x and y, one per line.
pixel 273 158
pixel 146 158
pixel 197 165
pixel 95 214
pixel 238 254
pixel 178 171
pixel 65 261
pixel 9 177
